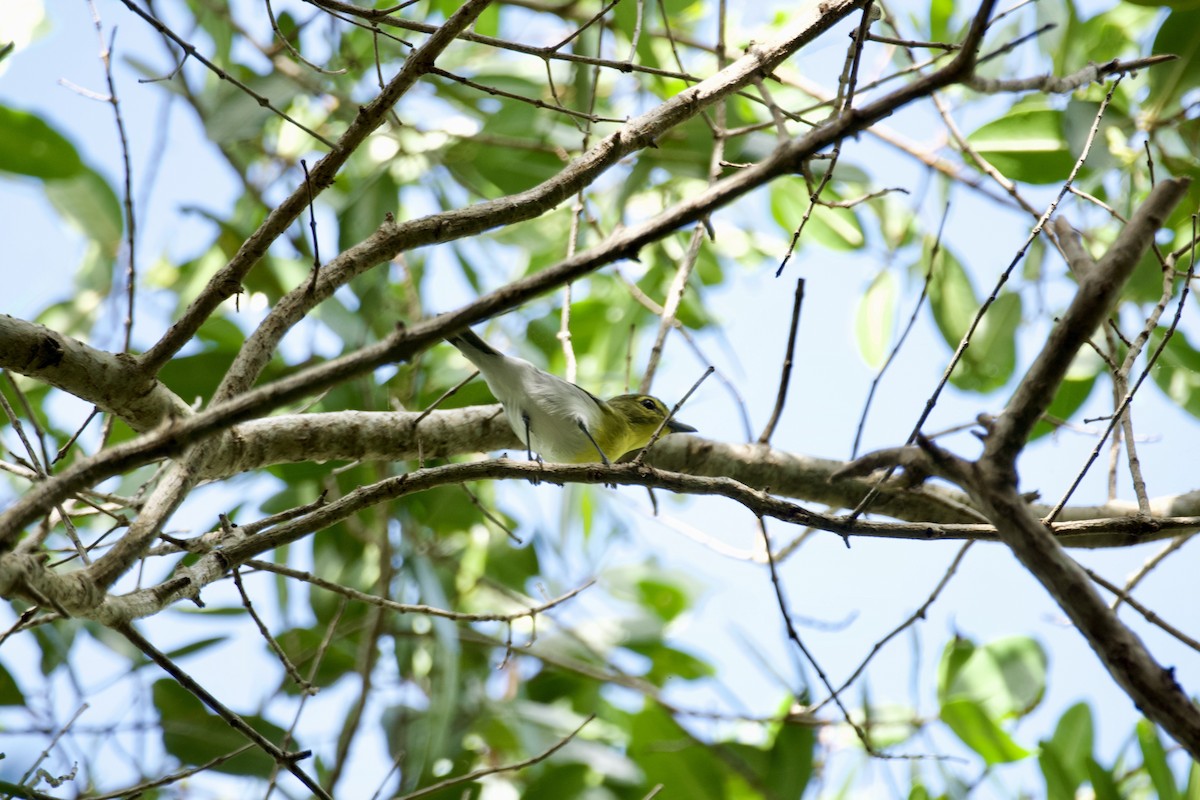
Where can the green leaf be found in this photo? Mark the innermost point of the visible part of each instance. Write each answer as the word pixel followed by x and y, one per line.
pixel 991 359
pixel 1007 677
pixel 55 643
pixel 835 228
pixel 669 662
pixel 197 375
pixel 1154 759
pixel 890 724
pixel 195 736
pixel 989 362
pixel 89 204
pixel 668 755
pixel 1177 371
pixel 980 732
pixel 1060 783
pixel 666 600
pixel 790 766
pixel 566 780
pixel 1026 145
pixel 1192 792
pixel 874 318
pixel 940 12
pixel 235 116
pixel 1170 81
pixel 955 655
pixel 1064 757
pixel 302 645
pixel 10 692
pixel 1072 393
pixel 952 298
pixel 195 647
pixel 1179 5
pixel 1104 782
pixel 30 146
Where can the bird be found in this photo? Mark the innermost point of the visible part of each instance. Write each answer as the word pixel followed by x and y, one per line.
pixel 562 422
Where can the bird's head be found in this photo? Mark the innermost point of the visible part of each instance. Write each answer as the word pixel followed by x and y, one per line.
pixel 643 414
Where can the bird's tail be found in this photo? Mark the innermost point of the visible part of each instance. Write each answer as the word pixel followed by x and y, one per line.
pixel 469 342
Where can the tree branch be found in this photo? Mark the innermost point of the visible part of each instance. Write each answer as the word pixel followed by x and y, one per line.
pixel 992 481
pixel 111 381
pixel 1098 291
pixel 228 280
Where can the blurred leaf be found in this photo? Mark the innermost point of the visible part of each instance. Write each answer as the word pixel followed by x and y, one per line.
pixel 303 645
pixel 427 737
pixel 1070 396
pixel 1179 5
pixel 669 662
pixel 1104 782
pixel 1007 677
pixel 10 693
pixel 980 732
pixel 1115 33
pixel 1169 82
pixel 897 223
pixel 1154 760
pixel 1064 757
pixel 90 205
pixel 196 376
pixel 237 118
pixel 1146 283
pixel 567 780
pixel 991 359
pixel 955 654
pixel 889 724
pixel 1026 145
pixel 668 755
pixel 30 146
pixel 194 736
pixel 1192 792
pixel 1177 371
pixel 835 228
pixel 952 298
pixel 874 318
pixel 661 597
pixel 791 761
pixel 940 12
pixel 55 643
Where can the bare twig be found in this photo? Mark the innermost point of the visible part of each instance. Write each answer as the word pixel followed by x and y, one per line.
pixel 785 373
pixel 482 773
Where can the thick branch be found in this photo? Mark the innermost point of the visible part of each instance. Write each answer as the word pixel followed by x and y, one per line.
pixel 1152 687
pixel 641 132
pixel 26 574
pixel 112 382
pixel 1098 291
pixel 228 280
pixel 361 436
pixel 391 239
pixel 171 438
pixel 992 481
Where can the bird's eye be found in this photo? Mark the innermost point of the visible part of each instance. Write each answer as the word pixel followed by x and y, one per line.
pixel 648 403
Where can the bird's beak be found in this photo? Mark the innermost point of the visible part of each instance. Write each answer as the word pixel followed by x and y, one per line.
pixel 675 426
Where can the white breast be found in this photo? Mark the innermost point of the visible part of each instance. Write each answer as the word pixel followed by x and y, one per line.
pixel 555 407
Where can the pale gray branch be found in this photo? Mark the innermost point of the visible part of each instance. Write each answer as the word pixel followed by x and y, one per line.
pixel 111 381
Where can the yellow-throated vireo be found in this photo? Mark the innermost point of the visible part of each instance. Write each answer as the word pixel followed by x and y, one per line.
pixel 561 421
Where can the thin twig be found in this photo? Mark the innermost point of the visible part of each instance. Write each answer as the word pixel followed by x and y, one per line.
pixel 288 760
pixel 482 773
pixel 785 373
